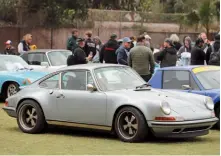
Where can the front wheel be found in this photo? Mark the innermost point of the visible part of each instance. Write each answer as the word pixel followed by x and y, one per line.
pixel 11 89
pixel 130 125
pixel 30 117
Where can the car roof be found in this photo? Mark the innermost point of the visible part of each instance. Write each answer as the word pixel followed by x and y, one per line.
pixel 46 50
pixel 90 66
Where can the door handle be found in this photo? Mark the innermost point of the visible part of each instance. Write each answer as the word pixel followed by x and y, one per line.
pixel 60 96
pixel 51 92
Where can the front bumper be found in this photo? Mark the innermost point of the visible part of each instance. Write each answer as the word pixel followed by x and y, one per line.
pixel 184 129
pixel 10 111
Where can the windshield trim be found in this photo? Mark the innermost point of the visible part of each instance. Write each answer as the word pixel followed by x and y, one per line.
pixel 199 80
pixel 99 86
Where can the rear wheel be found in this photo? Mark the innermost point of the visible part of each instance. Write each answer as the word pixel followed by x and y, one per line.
pixel 130 125
pixel 30 117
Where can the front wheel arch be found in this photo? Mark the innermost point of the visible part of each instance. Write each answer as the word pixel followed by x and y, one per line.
pixel 116 112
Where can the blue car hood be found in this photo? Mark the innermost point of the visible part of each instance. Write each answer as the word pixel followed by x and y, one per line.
pixel 24 74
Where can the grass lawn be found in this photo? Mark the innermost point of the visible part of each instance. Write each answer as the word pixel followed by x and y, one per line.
pixel 69 142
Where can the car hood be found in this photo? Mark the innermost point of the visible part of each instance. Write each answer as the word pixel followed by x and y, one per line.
pixel 189 106
pixel 159 95
pixel 24 74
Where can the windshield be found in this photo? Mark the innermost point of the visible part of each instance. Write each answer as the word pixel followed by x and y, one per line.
pixel 209 79
pixel 59 58
pixel 117 78
pixel 11 63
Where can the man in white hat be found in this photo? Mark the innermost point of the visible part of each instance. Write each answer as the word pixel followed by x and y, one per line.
pixel 9 49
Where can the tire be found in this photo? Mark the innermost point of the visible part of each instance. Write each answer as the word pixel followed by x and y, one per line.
pixel 136 130
pixel 31 111
pixel 11 89
pixel 217 112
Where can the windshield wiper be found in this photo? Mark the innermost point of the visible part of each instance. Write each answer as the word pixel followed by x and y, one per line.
pixel 143 85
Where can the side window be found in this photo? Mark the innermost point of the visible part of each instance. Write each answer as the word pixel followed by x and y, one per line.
pixel 194 85
pixel 73 80
pixel 25 57
pixel 36 59
pixel 52 82
pixel 90 79
pixel 175 79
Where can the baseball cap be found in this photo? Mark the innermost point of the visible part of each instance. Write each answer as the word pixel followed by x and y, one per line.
pixel 80 40
pixel 8 42
pixel 113 36
pixel 127 40
pixel 147 37
pixel 169 41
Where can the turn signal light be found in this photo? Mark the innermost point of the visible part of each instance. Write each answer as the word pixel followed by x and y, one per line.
pixel 6 104
pixel 165 118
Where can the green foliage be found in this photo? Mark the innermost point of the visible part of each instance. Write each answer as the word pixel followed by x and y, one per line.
pixel 204 15
pixel 145 5
pixel 179 6
pixel 7 10
pixel 58 12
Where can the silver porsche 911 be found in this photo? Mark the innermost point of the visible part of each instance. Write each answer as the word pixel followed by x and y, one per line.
pixel 112 98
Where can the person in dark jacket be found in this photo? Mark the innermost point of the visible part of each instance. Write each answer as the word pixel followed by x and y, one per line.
pixel 71 42
pixel 123 51
pixel 168 56
pixel 9 49
pixel 108 51
pixel 215 47
pixel 79 55
pixel 197 54
pixel 141 59
pixel 90 46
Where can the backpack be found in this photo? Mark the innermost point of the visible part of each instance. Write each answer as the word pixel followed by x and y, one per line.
pixel 214 56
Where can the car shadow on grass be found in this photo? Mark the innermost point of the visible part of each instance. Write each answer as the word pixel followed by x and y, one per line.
pixel 92 134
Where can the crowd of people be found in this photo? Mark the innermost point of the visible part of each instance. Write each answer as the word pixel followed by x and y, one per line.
pixel 24 45
pixel 138 53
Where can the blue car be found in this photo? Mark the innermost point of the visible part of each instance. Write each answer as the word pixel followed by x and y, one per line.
pixel 15 73
pixel 203 80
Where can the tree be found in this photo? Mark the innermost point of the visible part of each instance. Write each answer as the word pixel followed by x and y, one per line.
pixel 179 6
pixel 58 11
pixel 204 15
pixel 145 5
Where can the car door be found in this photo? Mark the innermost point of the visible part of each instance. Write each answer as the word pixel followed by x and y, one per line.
pixel 50 86
pixel 77 104
pixel 176 79
pixel 35 60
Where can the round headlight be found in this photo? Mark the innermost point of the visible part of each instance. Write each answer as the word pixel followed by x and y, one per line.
pixel 165 107
pixel 209 103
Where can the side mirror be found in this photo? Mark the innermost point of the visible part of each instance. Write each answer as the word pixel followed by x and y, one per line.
pixel 186 87
pixel 46 64
pixel 91 88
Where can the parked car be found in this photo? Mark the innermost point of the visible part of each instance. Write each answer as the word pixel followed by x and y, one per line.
pixel 203 80
pixel 47 59
pixel 113 98
pixel 15 72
